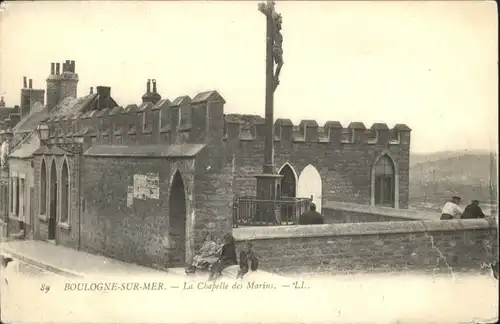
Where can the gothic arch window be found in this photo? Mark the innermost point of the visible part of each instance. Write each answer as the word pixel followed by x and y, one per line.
pixel 64 193
pixel 384 184
pixel 43 188
pixel 288 182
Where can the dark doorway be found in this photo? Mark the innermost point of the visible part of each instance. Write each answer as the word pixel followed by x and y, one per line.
pixel 287 193
pixel 53 202
pixel 177 221
pixel 384 182
pixel 288 183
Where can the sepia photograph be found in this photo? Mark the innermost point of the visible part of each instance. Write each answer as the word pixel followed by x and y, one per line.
pixel 249 162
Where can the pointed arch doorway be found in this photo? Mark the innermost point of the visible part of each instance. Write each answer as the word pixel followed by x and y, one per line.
pixel 177 221
pixel 287 191
pixel 310 185
pixel 53 202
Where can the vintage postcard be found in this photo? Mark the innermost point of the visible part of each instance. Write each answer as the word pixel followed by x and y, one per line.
pixel 249 162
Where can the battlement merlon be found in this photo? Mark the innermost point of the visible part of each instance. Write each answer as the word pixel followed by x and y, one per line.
pixel 251 128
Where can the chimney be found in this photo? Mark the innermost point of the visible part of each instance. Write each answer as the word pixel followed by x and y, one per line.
pixel 31 84
pixel 25 85
pixel 58 65
pixel 52 68
pixel 148 86
pixel 73 66
pixel 91 90
pixel 154 85
pixel 104 97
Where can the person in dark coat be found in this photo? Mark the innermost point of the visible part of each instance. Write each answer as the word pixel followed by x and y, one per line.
pixel 311 216
pixel 473 211
pixel 248 260
pixel 227 258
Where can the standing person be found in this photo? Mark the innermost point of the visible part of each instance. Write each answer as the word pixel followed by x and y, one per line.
pixel 248 260
pixel 227 258
pixel 473 211
pixel 451 209
pixel 311 216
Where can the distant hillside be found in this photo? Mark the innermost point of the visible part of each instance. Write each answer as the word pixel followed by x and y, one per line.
pixel 436 177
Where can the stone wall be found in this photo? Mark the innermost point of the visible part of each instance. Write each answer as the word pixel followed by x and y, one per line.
pixel 138 233
pixel 377 246
pixel 344 157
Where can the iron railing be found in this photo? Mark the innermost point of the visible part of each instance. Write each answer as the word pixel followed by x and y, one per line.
pixel 250 211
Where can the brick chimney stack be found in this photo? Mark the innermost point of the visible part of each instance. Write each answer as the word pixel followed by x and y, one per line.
pixel 69 81
pixel 53 86
pixel 149 96
pixel 104 97
pixel 154 85
pixel 29 97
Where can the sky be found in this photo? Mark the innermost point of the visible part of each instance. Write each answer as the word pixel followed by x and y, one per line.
pixel 431 65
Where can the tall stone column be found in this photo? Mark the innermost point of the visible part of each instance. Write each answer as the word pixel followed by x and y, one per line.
pixel 268 182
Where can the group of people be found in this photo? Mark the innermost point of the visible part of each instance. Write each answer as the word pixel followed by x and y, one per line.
pixel 216 255
pixel 451 210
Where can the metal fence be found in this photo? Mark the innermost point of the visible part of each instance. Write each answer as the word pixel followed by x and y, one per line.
pixel 250 211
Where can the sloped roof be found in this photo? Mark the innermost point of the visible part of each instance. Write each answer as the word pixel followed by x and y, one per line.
pixel 333 124
pixel 70 105
pixel 152 150
pixel 180 100
pixel 29 145
pixel 28 123
pixel 402 127
pixel 208 95
pixel 357 125
pixel 379 126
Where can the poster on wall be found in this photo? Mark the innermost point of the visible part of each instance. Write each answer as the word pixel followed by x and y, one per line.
pixel 130 196
pixel 147 186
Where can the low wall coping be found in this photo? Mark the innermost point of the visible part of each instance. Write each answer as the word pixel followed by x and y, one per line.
pixel 378 210
pixel 355 229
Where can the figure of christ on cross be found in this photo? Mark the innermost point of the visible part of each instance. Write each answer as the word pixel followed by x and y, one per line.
pixel 268 10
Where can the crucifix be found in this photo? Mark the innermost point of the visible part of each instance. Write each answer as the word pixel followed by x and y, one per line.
pixel 274 51
pixel 268 182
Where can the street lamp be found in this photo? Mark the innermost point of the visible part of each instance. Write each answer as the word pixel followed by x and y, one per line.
pixel 43 132
pixel 74 145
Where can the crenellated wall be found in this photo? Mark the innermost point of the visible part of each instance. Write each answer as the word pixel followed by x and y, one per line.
pixel 251 128
pixel 183 120
pixel 343 156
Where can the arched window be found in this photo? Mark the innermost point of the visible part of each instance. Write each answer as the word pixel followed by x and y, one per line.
pixel 384 182
pixel 43 189
pixel 64 194
pixel 288 182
